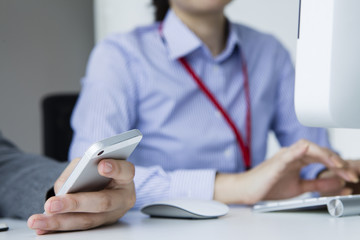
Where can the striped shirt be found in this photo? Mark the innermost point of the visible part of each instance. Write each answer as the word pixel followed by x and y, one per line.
pixel 135 80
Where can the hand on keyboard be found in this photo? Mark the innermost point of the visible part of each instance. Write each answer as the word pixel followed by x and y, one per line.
pixel 279 177
pixel 289 162
pixel 349 187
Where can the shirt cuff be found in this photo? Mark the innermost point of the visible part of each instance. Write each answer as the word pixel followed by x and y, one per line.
pixel 312 171
pixel 196 184
pixel 50 193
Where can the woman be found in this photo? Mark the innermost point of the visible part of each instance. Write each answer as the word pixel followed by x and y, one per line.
pixel 204 92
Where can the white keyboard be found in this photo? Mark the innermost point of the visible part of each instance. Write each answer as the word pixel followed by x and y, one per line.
pixel 337 205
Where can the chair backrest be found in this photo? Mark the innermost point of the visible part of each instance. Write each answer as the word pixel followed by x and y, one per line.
pixel 57 132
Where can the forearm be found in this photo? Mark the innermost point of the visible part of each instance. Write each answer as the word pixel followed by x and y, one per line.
pixel 154 184
pixel 239 188
pixel 25 180
pixel 225 190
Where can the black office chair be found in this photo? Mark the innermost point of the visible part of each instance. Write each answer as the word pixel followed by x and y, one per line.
pixel 57 132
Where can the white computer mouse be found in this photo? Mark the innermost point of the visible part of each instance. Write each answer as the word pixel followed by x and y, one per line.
pixel 186 208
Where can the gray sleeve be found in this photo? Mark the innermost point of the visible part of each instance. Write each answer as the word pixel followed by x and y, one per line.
pixel 24 180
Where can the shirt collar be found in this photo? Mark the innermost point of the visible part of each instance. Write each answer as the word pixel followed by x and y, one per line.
pixel 173 27
pixel 232 42
pixel 178 47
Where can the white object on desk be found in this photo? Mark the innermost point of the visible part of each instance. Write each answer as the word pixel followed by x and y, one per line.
pixel 3 227
pixel 240 223
pixel 337 206
pixel 186 208
pixel 344 206
pixel 85 177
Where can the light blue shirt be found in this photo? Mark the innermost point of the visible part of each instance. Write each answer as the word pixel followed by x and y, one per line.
pixel 134 80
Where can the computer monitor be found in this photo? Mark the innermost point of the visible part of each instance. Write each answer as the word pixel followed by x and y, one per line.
pixel 327 85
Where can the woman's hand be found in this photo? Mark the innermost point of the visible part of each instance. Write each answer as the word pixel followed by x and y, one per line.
pixel 279 177
pixel 85 210
pixel 349 187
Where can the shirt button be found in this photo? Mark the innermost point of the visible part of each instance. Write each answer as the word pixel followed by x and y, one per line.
pixel 216 68
pixel 218 114
pixel 227 152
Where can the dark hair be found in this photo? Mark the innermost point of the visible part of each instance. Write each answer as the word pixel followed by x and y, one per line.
pixel 161 8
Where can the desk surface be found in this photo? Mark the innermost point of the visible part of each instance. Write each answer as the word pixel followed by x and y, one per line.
pixel 240 223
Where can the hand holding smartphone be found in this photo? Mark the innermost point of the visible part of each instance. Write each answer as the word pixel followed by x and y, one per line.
pixel 85 176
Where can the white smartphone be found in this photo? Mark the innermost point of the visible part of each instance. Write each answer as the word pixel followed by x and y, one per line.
pixel 85 176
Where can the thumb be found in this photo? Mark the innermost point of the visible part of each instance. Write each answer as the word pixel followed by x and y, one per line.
pixel 122 172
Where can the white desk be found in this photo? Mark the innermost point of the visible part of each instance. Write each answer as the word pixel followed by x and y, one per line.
pixel 240 224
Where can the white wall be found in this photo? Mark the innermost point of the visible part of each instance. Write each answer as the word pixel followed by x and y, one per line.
pixel 114 15
pixel 44 46
pixel 276 16
pixel 279 17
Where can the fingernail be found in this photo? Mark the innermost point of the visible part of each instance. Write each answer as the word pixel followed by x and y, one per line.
pixel 354 178
pixel 107 167
pixel 56 206
pixel 351 177
pixel 39 224
pixel 346 191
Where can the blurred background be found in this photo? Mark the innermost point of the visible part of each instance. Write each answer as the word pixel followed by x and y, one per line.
pixel 45 44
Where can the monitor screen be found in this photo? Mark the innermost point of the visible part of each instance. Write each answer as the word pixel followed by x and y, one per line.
pixel 327 85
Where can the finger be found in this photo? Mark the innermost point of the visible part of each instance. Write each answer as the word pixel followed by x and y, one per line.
pixel 65 174
pixel 354 186
pixel 290 157
pixel 316 153
pixel 299 149
pixel 324 185
pixel 122 172
pixel 93 202
pixel 346 191
pixel 71 221
pixel 354 164
pixel 42 232
pixel 331 174
pixel 331 160
pixel 340 192
pixel 347 174
pixel 295 152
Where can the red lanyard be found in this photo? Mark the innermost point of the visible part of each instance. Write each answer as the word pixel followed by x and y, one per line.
pixel 244 147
